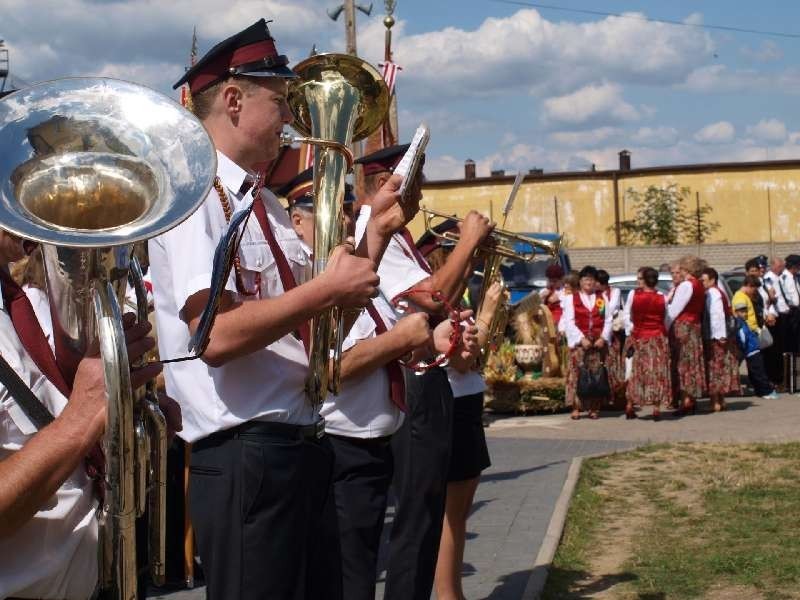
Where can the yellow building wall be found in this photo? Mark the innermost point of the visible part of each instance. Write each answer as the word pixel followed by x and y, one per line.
pixel 749 205
pixel 585 208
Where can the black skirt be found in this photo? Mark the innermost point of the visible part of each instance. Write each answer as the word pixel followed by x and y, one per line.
pixel 469 454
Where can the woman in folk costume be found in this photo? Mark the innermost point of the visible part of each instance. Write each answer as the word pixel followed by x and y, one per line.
pixel 553 294
pixel 615 362
pixel 722 364
pixel 650 373
pixel 684 320
pixel 587 325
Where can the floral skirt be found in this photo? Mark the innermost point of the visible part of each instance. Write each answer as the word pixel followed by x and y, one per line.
pixel 722 367
pixel 594 359
pixel 616 363
pixel 650 381
pixel 688 363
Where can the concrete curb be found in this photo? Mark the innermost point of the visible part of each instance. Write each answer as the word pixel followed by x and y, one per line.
pixel 555 529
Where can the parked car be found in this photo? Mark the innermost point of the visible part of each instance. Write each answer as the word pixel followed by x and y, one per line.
pixel 523 277
pixel 627 282
pixel 734 278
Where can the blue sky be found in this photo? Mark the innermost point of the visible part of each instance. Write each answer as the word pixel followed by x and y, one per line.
pixel 509 86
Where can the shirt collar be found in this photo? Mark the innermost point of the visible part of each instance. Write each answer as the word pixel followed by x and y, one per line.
pixel 230 174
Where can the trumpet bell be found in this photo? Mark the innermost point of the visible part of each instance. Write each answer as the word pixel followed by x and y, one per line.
pixel 329 69
pixel 97 162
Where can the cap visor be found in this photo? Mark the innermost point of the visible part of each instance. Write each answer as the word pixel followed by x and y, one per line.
pixel 282 71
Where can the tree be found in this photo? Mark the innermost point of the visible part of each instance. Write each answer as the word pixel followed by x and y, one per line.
pixel 664 217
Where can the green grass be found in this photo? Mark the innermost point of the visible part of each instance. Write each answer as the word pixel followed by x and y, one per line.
pixel 703 517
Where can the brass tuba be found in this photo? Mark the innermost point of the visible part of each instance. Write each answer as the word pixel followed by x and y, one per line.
pixel 88 168
pixel 336 100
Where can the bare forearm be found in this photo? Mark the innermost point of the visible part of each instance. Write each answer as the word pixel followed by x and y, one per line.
pixel 374 242
pixel 371 354
pixel 30 477
pixel 450 279
pixel 243 328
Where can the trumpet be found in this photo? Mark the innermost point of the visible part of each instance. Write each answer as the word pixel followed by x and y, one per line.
pixel 500 242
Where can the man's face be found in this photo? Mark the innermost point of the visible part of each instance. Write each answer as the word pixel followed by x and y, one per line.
pixel 11 248
pixel 777 266
pixel 263 114
pixel 755 271
pixel 677 275
pixel 706 281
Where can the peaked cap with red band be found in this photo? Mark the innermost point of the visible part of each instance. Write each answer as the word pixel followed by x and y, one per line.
pixel 300 190
pixel 383 160
pixel 251 52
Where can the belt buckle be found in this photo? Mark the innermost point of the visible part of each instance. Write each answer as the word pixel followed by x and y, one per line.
pixel 319 428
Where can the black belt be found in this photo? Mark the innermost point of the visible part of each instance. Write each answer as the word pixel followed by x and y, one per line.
pixel 356 441
pixel 312 432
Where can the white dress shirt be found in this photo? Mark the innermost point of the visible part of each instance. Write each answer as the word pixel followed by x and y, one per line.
pixel 465 384
pixel 716 314
pixel 398 268
pixel 627 318
pixel 265 385
pixel 54 555
pixel 680 298
pixel 41 307
pixel 363 408
pixel 788 289
pixel 771 283
pixel 575 335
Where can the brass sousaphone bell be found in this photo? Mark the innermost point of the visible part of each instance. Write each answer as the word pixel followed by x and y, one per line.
pixel 88 168
pixel 336 100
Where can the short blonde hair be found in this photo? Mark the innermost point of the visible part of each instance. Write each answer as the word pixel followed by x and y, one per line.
pixel 203 101
pixel 693 265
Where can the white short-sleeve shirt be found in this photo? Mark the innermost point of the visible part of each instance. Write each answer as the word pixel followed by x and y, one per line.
pixel 398 269
pixel 363 408
pixel 54 555
pixel 265 385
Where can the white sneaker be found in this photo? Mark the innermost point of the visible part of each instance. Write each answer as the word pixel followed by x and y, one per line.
pixel 771 396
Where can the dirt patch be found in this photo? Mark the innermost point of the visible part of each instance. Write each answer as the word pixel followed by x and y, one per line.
pixel 693 521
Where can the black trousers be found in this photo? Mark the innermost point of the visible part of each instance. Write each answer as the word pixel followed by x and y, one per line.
pixel 758 375
pixel 362 473
pixel 421 460
pixel 257 500
pixel 773 356
pixel 792 331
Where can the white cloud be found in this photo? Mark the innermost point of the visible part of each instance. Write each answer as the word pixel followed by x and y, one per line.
pixel 720 79
pixel 141 40
pixel 768 130
pixel 583 139
pixel 595 104
pixel 716 133
pixel 527 52
pixel 655 136
pixel 768 51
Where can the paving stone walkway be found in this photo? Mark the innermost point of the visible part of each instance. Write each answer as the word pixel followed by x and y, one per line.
pixel 530 459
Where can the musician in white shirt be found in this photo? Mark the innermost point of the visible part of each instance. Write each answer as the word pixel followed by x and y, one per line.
pixel 48 525
pixel 422 445
pixel 362 417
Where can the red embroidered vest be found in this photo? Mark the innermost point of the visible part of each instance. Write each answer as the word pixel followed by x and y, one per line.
pixel 555 307
pixel 589 322
pixel 647 313
pixel 693 311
